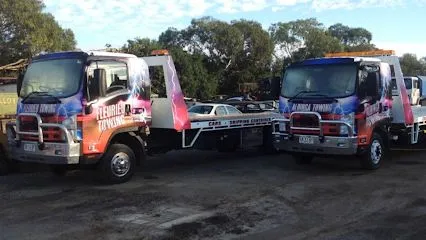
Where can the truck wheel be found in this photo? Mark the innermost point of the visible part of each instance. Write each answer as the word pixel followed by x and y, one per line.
pixel 59 170
pixel 118 164
pixel 303 159
pixel 375 153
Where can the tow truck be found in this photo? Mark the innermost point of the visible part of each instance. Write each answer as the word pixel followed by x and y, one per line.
pixel 94 109
pixel 342 104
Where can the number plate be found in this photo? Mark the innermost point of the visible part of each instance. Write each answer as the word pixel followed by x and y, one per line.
pixel 28 147
pixel 306 140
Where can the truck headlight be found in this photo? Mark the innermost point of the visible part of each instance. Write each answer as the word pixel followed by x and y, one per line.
pixel 349 119
pixel 70 123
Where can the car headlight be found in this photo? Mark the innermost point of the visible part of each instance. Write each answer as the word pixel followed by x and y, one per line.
pixel 349 119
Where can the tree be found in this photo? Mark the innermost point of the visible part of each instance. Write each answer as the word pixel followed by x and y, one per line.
pixel 411 66
pixel 25 30
pixel 194 77
pixel 235 52
pixel 353 39
pixel 301 39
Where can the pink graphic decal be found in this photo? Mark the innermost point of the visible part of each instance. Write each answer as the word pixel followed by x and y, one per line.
pixel 408 113
pixel 180 112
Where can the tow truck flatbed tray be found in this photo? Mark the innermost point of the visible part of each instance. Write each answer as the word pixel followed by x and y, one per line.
pixel 233 121
pixel 419 114
pixel 233 116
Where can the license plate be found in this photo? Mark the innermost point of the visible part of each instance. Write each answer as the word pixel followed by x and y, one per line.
pixel 306 140
pixel 28 147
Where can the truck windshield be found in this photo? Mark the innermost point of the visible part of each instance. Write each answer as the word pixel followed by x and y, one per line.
pixel 59 77
pixel 334 80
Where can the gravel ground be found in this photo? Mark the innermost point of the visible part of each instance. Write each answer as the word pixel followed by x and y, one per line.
pixel 208 195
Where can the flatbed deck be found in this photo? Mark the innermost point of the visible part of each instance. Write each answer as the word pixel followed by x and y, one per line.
pixel 419 114
pixel 236 120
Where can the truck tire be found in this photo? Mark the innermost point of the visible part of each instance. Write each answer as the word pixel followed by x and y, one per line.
pixel 118 164
pixel 301 159
pixel 375 153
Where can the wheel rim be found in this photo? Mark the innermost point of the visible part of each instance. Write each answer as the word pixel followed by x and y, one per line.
pixel 120 164
pixel 376 151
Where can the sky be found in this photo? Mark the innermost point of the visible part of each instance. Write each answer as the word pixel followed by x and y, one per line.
pixel 395 24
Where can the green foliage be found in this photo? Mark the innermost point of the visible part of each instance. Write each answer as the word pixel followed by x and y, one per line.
pixel 353 39
pixel 232 53
pixel 302 39
pixel 411 66
pixel 194 77
pixel 25 30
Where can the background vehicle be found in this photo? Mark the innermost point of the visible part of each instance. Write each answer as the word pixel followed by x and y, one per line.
pixel 416 89
pixel 212 109
pixel 8 101
pixel 343 105
pixel 94 109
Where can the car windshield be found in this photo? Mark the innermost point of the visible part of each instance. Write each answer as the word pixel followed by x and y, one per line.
pixel 201 109
pixel 334 80
pixel 59 77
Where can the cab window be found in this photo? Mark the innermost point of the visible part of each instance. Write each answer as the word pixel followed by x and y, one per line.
pixel 116 74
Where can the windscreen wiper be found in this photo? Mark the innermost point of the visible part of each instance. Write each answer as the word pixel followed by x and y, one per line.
pixel 30 94
pixel 323 95
pixel 41 94
pixel 300 93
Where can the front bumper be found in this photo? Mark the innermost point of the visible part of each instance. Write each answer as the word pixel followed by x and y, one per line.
pixel 314 144
pixel 52 153
pixel 41 151
pixel 328 145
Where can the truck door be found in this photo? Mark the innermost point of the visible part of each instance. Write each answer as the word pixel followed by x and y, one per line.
pixel 370 93
pixel 370 86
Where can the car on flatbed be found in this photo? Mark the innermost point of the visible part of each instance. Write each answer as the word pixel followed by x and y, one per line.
pixel 213 109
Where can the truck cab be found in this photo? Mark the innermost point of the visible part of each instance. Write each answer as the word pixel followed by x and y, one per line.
pixel 336 105
pixel 75 108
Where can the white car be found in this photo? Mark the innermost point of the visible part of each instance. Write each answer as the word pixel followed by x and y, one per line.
pixel 213 109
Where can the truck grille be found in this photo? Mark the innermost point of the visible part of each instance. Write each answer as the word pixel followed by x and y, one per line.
pixel 311 121
pixel 50 134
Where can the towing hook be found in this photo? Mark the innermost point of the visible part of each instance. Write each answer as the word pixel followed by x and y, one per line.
pixel 41 146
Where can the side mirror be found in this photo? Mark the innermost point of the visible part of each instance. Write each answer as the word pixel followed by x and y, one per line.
pixel 19 81
pixel 97 85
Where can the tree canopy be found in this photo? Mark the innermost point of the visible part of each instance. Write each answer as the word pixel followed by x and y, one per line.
pixel 25 30
pixel 214 56
pixel 211 56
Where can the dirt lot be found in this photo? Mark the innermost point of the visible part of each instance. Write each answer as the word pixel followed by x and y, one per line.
pixel 194 195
